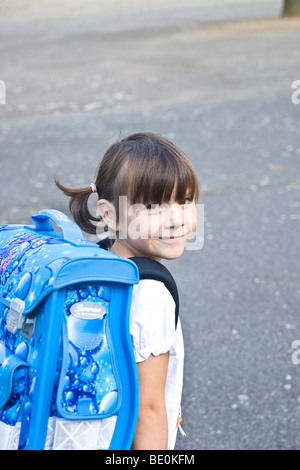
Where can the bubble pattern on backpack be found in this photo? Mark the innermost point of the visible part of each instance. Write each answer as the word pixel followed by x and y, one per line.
pixel 90 383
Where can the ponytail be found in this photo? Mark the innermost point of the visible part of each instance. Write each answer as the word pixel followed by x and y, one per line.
pixel 78 206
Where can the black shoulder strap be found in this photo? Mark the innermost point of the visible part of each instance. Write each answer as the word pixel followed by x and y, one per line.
pixel 151 269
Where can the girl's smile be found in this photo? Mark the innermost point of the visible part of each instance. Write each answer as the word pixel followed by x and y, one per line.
pixel 172 239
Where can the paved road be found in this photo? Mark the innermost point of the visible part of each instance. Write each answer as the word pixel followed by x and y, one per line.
pixel 222 92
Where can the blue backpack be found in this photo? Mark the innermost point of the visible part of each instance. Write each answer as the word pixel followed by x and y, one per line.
pixel 68 378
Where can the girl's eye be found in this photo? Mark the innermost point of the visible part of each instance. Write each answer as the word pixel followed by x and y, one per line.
pixel 153 206
pixel 186 201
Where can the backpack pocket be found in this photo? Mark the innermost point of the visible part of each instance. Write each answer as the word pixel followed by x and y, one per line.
pixel 13 384
pixel 89 386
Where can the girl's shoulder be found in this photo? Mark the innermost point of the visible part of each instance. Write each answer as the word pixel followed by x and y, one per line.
pixel 152 313
pixel 162 290
pixel 153 293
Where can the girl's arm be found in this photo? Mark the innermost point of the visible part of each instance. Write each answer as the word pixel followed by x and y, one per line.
pixel 152 426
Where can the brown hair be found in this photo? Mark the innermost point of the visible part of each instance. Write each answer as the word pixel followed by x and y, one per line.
pixel 145 167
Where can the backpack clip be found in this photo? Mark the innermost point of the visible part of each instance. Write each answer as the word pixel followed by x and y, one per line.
pixel 15 319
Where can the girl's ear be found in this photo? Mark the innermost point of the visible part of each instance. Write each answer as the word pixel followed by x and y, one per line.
pixel 107 212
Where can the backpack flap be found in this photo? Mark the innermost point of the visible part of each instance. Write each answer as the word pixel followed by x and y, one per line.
pixel 95 335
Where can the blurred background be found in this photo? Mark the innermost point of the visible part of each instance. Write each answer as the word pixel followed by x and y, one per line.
pixel 216 78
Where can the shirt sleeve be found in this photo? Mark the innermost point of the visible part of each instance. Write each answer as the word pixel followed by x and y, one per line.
pixel 152 319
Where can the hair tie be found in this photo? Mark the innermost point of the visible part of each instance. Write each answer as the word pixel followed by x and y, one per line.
pixel 94 187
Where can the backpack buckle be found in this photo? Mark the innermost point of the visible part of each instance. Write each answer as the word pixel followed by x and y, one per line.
pixel 15 318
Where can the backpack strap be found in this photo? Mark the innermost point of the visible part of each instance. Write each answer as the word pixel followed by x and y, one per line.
pixel 151 269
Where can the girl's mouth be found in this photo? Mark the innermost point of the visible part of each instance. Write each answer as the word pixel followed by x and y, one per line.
pixel 172 238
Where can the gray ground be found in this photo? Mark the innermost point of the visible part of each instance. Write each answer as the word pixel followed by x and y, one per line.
pixel 222 92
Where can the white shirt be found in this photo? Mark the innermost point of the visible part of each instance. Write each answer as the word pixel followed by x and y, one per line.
pixel 152 330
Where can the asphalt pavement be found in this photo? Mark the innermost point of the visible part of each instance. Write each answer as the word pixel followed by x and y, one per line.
pixel 222 91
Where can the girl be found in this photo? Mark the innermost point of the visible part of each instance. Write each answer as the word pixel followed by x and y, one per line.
pixel 147 192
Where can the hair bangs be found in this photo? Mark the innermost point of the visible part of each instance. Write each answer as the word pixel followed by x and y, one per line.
pixel 154 176
pixel 186 182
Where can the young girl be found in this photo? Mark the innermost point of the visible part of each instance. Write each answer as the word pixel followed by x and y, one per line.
pixel 147 192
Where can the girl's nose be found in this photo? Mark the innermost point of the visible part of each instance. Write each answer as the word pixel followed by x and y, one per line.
pixel 176 218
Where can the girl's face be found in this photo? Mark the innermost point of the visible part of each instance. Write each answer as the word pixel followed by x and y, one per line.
pixel 155 231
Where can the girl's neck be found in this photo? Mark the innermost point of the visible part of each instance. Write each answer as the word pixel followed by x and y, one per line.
pixel 121 249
